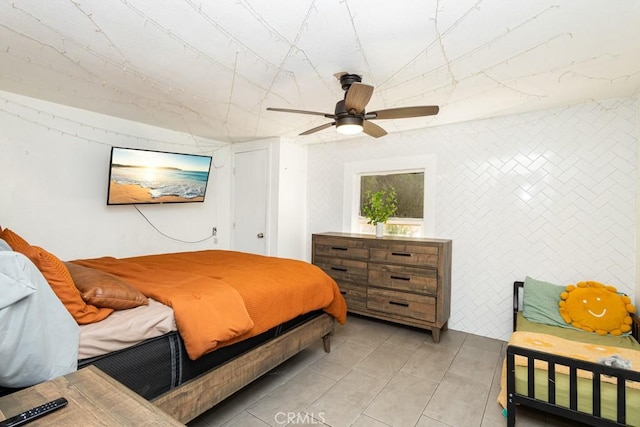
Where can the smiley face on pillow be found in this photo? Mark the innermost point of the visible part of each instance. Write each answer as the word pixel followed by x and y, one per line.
pixel 597 308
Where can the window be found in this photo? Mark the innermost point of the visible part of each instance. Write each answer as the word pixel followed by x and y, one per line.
pixel 409 188
pixel 413 178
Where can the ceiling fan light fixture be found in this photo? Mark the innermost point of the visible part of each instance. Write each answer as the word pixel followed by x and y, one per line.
pixel 350 115
pixel 349 125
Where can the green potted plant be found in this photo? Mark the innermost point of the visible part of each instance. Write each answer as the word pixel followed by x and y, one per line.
pixel 379 207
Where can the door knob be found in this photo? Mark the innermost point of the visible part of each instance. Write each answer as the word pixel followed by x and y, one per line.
pixel 260 235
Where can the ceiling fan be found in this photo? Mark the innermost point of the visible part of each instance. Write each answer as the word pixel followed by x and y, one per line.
pixel 350 116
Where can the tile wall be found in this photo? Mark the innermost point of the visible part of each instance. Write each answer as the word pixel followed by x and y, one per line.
pixel 549 194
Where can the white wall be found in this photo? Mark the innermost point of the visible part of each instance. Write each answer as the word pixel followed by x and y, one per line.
pixel 550 194
pixel 54 170
pixel 292 219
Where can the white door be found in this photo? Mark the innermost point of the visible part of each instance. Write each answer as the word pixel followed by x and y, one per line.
pixel 251 179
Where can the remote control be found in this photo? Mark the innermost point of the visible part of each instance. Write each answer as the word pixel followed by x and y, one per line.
pixel 33 413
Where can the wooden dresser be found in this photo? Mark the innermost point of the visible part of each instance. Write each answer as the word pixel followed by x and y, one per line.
pixel 400 279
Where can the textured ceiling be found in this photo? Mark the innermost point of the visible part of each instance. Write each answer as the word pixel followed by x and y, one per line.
pixel 210 68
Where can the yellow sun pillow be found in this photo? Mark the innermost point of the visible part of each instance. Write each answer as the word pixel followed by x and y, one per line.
pixel 597 308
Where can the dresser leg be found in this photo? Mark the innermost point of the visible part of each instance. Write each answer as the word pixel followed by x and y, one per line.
pixel 435 334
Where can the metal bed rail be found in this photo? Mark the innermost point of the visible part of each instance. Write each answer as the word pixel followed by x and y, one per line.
pixel 549 405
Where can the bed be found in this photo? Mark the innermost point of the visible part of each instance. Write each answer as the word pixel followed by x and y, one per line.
pixel 590 378
pixel 265 310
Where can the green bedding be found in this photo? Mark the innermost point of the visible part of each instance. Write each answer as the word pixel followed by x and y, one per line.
pixel 577 335
pixel 608 390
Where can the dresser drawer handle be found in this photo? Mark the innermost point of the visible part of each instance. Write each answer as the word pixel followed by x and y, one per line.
pixel 401 304
pixel 343 292
pixel 339 269
pixel 339 248
pixel 401 278
pixel 401 254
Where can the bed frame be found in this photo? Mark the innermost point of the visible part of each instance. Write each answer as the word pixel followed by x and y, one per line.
pixel 189 394
pixel 529 399
pixel 185 389
pixel 200 394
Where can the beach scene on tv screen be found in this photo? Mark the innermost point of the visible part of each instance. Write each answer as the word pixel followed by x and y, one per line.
pixel 139 176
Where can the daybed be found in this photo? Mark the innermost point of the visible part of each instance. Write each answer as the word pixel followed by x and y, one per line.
pixel 553 367
pixel 276 307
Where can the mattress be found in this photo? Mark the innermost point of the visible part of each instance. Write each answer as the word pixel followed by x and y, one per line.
pixel 159 364
pixel 125 328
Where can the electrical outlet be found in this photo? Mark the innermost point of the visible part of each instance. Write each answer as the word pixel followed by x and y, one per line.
pixel 214 231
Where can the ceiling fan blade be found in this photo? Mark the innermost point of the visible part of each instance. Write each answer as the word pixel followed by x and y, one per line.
pixel 403 112
pixel 340 74
pixel 357 97
pixel 315 113
pixel 316 129
pixel 373 129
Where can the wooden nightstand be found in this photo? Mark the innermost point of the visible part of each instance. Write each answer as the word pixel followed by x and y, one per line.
pixel 94 399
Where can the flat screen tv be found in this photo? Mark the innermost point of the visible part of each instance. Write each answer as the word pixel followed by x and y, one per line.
pixel 149 177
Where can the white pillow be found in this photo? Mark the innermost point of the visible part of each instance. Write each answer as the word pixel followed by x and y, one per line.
pixel 4 246
pixel 38 336
pixel 13 289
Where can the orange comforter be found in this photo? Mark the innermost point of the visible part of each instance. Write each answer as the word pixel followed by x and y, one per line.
pixel 220 297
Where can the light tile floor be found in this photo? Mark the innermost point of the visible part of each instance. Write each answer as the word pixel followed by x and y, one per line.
pixel 379 374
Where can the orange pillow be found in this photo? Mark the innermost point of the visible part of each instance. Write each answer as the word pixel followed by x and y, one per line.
pixel 597 308
pixel 60 281
pixel 104 289
pixel 16 242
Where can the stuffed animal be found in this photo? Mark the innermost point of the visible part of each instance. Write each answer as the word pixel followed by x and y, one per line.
pixel 615 361
pixel 597 308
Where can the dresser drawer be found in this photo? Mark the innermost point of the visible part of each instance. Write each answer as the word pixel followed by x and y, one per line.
pixel 403 278
pixel 343 269
pixel 419 307
pixel 340 247
pixel 406 254
pixel 355 295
